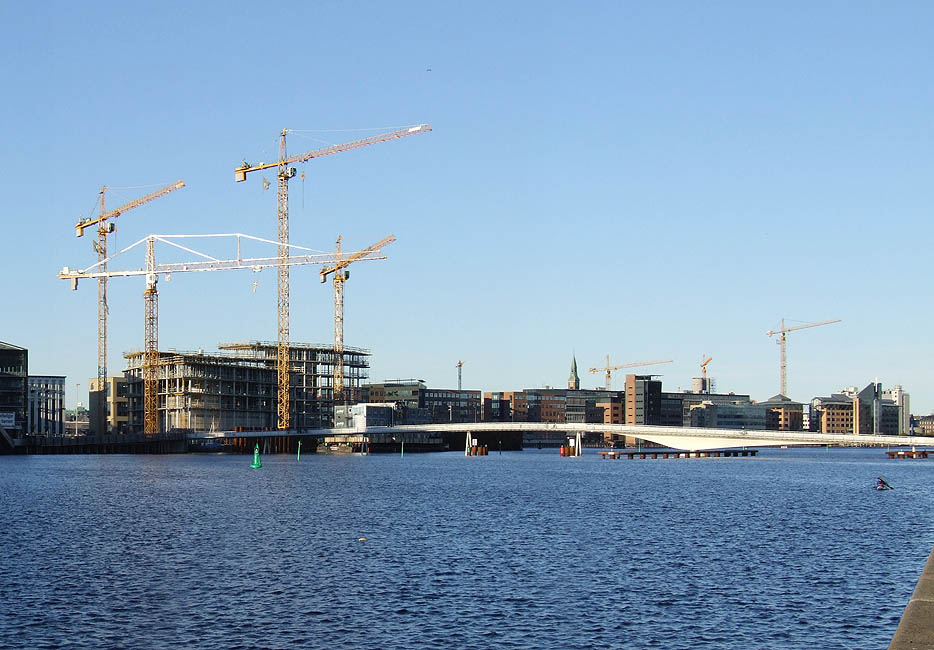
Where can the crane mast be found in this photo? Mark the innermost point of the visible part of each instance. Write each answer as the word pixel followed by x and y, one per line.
pixel 150 362
pixel 100 246
pixel 782 340
pixel 704 387
pixel 284 173
pixel 282 346
pixel 341 275
pixel 150 344
pixel 102 310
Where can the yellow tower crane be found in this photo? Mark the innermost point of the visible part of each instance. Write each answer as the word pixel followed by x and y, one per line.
pixel 781 341
pixel 608 369
pixel 705 386
pixel 152 271
pixel 341 275
pixel 100 246
pixel 284 174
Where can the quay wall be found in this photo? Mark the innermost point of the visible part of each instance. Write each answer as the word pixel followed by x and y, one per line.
pixel 916 627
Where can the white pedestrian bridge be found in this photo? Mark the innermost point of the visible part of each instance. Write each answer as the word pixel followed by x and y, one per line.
pixel 683 438
pixel 688 438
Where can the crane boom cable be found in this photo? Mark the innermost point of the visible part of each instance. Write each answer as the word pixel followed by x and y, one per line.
pixel 164 239
pixel 85 223
pixel 608 369
pixel 782 342
pixel 251 264
pixel 188 250
pixel 152 271
pixel 283 174
pixel 244 236
pixel 138 187
pixel 332 149
pixel 340 277
pixel 248 264
pixel 103 309
pixel 372 128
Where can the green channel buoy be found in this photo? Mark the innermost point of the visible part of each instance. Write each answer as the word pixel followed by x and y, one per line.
pixel 257 463
pixel 298 456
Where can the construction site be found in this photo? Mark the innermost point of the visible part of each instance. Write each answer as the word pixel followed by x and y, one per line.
pixel 293 387
pixel 274 385
pixel 236 387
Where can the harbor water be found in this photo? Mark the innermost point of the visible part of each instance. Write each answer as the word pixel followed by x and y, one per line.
pixel 791 549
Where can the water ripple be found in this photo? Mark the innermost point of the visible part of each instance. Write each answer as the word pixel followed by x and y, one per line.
pixel 524 550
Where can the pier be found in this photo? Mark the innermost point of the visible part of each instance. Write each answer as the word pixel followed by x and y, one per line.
pixel 913 453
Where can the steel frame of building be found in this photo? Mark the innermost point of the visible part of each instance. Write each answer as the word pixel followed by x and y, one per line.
pixel 237 387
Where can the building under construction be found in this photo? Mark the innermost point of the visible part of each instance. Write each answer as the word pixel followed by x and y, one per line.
pixel 236 387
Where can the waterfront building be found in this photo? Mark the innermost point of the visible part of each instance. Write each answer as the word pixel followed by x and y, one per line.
pixel 114 392
pixel 689 401
pixel 14 369
pixel 554 405
pixel 45 409
pixel 643 399
pixel 452 405
pixel 646 403
pixel 783 414
pixel 832 414
pixel 583 406
pixel 406 395
pixel 855 412
pixel 613 411
pixel 497 407
pixel 902 400
pixel 922 425
pixel 729 415
pixel 238 386
pixel 362 415
pixel 531 405
pixel 404 391
pixel 546 405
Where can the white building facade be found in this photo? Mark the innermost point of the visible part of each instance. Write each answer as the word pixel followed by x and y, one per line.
pixel 45 405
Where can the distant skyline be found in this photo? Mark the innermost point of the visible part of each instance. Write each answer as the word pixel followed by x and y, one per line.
pixel 644 180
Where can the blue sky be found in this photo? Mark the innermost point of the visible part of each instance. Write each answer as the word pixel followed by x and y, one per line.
pixel 641 179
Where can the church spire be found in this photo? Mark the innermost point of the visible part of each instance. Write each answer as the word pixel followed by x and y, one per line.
pixel 574 382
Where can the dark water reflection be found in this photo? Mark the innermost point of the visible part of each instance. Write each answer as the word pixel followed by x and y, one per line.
pixel 792 549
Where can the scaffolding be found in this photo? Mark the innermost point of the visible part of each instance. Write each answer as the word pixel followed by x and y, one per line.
pixel 237 386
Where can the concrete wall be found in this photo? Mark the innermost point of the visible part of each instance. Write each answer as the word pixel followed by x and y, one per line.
pixel 916 629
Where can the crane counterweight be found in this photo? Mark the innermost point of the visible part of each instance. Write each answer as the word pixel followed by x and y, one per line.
pixel 152 271
pixel 100 247
pixel 284 173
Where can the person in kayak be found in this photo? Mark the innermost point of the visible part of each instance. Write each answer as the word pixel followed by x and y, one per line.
pixel 882 485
